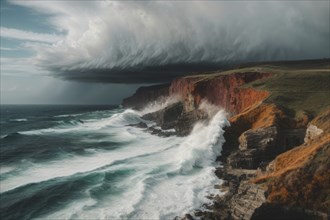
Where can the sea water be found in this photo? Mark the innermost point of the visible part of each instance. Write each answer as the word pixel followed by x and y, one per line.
pixel 86 162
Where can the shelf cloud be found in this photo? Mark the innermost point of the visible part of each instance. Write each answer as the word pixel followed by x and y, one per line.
pixel 144 41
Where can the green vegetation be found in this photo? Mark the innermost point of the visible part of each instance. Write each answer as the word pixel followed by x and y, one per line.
pixel 299 86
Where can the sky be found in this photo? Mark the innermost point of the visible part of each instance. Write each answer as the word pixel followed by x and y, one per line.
pixel 98 52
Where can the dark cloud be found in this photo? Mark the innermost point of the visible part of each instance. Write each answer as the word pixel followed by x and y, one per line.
pixel 143 74
pixel 149 42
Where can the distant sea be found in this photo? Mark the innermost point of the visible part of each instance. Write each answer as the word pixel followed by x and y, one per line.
pixel 85 162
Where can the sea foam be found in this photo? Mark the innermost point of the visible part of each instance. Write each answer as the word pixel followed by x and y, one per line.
pixel 167 176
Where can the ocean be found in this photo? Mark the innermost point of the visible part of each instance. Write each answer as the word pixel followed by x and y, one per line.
pixel 86 162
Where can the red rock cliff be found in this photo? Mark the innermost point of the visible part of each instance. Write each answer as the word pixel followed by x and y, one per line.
pixel 226 91
pixel 222 90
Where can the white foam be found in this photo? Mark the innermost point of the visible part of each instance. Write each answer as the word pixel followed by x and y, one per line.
pixel 203 145
pixel 116 120
pixel 159 104
pixel 19 119
pixel 3 136
pixel 166 182
pixel 6 169
pixel 171 177
pixel 67 115
pixel 113 208
pixel 188 189
pixel 78 164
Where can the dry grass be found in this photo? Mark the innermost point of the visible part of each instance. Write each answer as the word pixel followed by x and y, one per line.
pixel 301 176
pixel 294 158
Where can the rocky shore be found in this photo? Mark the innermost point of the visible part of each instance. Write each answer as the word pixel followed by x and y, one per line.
pixel 275 161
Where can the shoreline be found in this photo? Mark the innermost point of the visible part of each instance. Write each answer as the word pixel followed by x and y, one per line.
pixel 242 198
pixel 275 158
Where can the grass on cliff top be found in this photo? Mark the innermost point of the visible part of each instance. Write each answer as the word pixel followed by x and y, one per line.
pixel 299 86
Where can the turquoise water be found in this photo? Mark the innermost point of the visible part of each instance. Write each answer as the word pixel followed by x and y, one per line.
pixel 85 162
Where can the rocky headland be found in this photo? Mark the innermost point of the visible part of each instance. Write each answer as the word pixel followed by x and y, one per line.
pixel 276 159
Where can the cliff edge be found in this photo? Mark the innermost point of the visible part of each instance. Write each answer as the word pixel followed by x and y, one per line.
pixel 276 155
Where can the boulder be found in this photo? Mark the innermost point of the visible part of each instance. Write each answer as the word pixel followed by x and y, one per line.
pixel 312 132
pixel 262 138
pixel 257 147
pixel 139 125
pixel 187 121
pixel 167 117
pixel 248 198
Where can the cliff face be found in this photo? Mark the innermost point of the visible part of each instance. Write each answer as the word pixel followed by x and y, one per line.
pixel 300 177
pixel 223 90
pixel 144 95
pixel 271 145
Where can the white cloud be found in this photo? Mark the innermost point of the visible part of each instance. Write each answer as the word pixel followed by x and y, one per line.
pixel 28 35
pixel 8 48
pixel 111 34
pixel 24 67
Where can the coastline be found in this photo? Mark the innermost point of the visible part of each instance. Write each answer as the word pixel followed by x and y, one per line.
pixel 267 124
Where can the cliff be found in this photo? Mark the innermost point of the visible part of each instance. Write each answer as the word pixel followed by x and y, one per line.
pixel 276 155
pixel 221 90
pixel 300 177
pixel 144 95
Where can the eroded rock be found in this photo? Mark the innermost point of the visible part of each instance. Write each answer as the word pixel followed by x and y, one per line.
pixel 263 138
pixel 186 121
pixel 166 118
pixel 312 132
pixel 248 198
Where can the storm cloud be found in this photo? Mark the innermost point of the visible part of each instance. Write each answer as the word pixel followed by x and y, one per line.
pixel 147 42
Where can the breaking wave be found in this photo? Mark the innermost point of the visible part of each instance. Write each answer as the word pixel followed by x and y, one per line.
pixel 111 170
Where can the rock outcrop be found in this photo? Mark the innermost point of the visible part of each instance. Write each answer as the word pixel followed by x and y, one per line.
pixel 175 117
pixel 260 133
pixel 300 178
pixel 312 132
pixel 275 161
pixel 221 90
pixel 240 199
pixel 226 91
pixel 166 118
pixel 187 121
pixel 246 200
pixel 144 95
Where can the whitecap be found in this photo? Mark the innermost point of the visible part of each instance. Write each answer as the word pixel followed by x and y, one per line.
pixel 19 119
pixel 172 176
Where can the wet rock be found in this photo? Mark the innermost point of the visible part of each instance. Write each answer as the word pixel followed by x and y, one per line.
pixel 139 125
pixel 160 132
pixel 188 217
pixel 174 117
pixel 187 121
pixel 155 131
pixel 166 118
